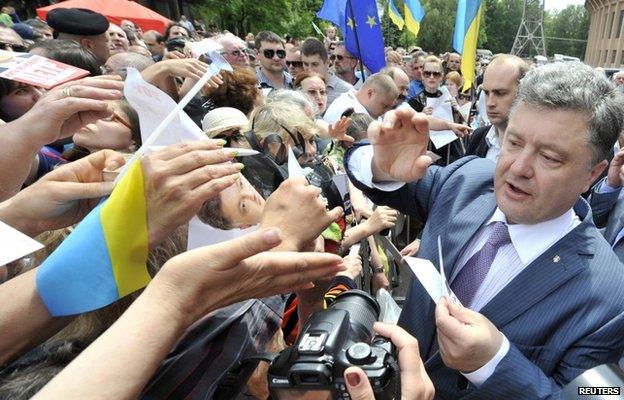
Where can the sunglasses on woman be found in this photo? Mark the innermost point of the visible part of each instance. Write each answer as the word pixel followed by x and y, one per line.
pixel 270 53
pixel 235 136
pixel 435 74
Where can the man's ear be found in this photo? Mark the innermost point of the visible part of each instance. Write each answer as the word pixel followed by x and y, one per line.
pixel 86 43
pixel 370 93
pixel 595 173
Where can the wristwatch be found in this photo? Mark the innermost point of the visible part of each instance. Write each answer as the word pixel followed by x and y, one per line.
pixel 378 270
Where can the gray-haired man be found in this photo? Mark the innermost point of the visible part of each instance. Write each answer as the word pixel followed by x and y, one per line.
pixel 541 289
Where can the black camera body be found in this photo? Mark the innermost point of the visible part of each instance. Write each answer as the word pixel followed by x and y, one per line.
pixel 331 341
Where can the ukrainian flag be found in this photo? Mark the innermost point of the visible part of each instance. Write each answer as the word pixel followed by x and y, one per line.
pixel 395 15
pixel 466 36
pixel 414 13
pixel 104 258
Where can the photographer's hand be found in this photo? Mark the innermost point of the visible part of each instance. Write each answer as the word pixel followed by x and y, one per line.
pixel 415 383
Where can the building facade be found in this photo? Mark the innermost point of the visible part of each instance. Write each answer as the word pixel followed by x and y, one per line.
pixel 605 41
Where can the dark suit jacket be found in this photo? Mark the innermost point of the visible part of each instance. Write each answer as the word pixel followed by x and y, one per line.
pixel 477 145
pixel 608 211
pixel 562 314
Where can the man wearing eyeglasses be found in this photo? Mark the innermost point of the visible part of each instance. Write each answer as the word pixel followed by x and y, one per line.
pixel 234 50
pixel 271 54
pixel 294 62
pixel 315 58
pixel 345 65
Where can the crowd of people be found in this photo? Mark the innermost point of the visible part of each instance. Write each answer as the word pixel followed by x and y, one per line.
pixel 536 167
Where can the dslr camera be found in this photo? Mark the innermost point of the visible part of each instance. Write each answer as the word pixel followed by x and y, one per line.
pixel 331 341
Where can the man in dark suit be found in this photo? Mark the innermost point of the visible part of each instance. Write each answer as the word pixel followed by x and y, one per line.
pixel 607 203
pixel 500 85
pixel 542 291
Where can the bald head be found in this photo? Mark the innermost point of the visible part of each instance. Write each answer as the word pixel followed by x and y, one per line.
pixel 234 49
pixel 401 80
pixel 378 94
pixel 118 64
pixel 500 86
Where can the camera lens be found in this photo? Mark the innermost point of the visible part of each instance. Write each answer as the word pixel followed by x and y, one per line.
pixel 363 311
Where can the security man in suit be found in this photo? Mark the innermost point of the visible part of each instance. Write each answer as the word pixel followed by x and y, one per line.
pixel 542 291
pixel 500 85
pixel 607 202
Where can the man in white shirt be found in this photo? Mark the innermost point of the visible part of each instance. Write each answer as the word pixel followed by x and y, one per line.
pixel 377 95
pixel 541 289
pixel 500 85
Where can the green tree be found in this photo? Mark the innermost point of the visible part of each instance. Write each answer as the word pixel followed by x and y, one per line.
pixel 500 24
pixel 570 23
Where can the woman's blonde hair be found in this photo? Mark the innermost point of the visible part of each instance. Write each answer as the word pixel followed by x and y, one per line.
pixel 455 77
pixel 435 60
pixel 277 116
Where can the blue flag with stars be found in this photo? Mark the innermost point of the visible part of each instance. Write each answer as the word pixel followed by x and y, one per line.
pixel 365 22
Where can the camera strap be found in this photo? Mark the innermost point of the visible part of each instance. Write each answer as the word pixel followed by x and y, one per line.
pixel 236 378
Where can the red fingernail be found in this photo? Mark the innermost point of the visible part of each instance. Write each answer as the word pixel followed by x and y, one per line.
pixel 353 379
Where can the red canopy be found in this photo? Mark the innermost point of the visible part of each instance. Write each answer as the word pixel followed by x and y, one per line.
pixel 115 11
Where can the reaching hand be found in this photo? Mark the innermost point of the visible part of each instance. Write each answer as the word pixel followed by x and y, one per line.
pixel 382 218
pixel 180 178
pixel 615 175
pixel 399 146
pixel 338 130
pixel 65 109
pixel 411 248
pixel 354 266
pixel 415 383
pixel 211 277
pixel 297 210
pixel 459 129
pixel 64 196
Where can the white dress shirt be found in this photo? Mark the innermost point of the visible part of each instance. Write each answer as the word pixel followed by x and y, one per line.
pixel 493 140
pixel 527 243
pixel 341 104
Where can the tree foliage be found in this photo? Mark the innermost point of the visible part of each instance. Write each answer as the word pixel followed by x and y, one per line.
pixel 499 23
pixel 570 23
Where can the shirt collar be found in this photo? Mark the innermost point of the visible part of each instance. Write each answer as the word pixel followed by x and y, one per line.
pixel 530 241
pixel 492 137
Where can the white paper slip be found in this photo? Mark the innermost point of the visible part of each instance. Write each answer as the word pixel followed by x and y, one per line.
pixel 294 169
pixel 441 138
pixel 354 250
pixel 442 109
pixel 201 234
pixel 14 244
pixel 430 278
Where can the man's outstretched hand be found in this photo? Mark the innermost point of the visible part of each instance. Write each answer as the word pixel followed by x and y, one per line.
pixel 399 145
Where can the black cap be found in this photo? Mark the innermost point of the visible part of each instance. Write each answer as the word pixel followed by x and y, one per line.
pixel 77 21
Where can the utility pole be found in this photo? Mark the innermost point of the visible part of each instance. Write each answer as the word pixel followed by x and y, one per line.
pixel 530 37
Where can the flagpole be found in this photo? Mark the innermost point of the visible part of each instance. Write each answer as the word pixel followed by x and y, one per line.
pixel 357 40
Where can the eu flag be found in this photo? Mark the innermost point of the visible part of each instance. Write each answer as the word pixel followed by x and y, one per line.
pixel 363 21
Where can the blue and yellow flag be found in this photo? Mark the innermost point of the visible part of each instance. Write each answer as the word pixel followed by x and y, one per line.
pixel 365 22
pixel 104 258
pixel 414 13
pixel 466 36
pixel 395 15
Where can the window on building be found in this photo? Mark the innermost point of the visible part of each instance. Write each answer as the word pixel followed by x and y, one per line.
pixel 620 27
pixel 622 58
pixel 604 59
pixel 613 56
pixel 611 23
pixel 606 26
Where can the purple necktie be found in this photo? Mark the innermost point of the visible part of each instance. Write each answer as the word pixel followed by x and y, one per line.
pixel 467 282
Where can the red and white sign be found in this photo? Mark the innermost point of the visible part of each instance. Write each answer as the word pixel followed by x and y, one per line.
pixel 39 71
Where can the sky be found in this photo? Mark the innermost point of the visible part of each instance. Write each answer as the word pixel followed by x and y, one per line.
pixel 561 4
